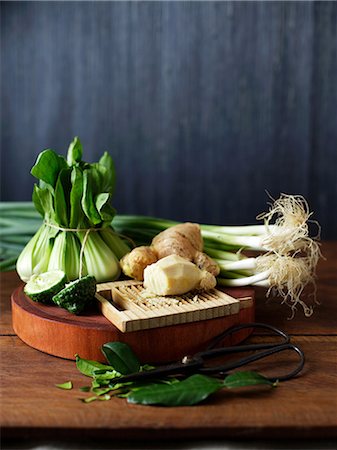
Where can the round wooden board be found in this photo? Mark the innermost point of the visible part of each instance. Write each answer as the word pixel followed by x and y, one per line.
pixel 55 331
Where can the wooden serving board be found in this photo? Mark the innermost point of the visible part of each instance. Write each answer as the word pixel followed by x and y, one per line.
pixel 55 331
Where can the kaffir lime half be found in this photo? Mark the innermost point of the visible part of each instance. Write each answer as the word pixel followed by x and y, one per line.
pixel 77 294
pixel 42 287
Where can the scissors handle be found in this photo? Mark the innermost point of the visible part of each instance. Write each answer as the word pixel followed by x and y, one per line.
pixel 256 357
pixel 234 329
pixel 222 351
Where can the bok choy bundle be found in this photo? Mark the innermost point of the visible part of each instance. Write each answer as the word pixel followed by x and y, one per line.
pixel 74 199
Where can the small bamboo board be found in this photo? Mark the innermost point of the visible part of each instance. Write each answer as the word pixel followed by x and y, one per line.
pixel 129 307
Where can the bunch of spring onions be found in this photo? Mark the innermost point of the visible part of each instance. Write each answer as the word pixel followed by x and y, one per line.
pixel 73 197
pixel 285 256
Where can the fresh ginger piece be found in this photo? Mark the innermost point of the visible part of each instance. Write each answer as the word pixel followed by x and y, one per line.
pixel 134 263
pixel 174 275
pixel 183 239
pixel 205 262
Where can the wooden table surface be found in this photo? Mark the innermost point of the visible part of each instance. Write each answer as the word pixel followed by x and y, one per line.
pixel 304 407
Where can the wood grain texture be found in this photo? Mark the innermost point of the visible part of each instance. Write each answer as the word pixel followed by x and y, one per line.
pixel 304 407
pixel 192 99
pixel 32 406
pixel 55 331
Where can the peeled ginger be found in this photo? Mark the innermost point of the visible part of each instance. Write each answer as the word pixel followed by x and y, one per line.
pixel 174 275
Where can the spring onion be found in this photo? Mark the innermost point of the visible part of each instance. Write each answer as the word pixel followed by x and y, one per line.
pixel 287 254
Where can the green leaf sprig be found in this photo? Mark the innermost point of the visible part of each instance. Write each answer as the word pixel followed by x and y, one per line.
pixel 167 391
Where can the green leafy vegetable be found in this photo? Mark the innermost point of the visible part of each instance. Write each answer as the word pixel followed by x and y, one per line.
pixel 110 178
pixel 73 196
pixel 120 356
pixel 37 200
pixel 88 203
pixel 67 385
pixel 48 167
pixel 60 197
pixel 74 152
pixel 43 201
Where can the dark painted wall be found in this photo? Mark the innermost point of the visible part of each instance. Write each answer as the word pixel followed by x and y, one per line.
pixel 203 105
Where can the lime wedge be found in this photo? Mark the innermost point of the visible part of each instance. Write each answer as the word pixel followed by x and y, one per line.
pixel 77 294
pixel 42 287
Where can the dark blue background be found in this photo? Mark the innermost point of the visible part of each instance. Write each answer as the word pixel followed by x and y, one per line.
pixel 203 105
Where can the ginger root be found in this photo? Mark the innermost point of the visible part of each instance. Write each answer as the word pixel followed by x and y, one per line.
pixel 184 240
pixel 174 275
pixel 134 263
pixel 205 262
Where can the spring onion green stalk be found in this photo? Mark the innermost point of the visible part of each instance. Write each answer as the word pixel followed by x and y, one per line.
pixel 74 199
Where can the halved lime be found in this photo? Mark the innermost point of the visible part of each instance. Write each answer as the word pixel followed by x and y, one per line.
pixel 77 294
pixel 42 287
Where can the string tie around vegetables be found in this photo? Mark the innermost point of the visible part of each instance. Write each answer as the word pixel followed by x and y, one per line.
pixel 87 231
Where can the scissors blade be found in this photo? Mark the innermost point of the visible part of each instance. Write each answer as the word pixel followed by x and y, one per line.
pixel 161 371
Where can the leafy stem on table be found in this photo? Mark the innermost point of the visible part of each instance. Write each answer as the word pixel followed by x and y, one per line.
pixel 166 391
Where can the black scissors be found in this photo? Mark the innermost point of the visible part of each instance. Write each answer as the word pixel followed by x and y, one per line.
pixel 196 363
